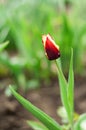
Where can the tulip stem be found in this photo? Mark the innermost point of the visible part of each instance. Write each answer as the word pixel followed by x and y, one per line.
pixel 60 70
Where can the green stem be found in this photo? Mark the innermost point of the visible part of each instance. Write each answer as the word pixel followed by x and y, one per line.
pixel 60 70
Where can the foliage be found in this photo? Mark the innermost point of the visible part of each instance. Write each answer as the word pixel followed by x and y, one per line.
pixel 24 35
pixel 23 24
pixel 44 118
pixel 3 45
pixel 67 98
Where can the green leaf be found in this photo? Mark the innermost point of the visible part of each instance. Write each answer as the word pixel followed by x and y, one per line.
pixel 63 89
pixel 3 45
pixel 70 91
pixel 40 115
pixel 81 123
pixel 37 125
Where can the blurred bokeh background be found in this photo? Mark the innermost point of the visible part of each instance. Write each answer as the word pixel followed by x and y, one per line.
pixel 24 64
pixel 22 23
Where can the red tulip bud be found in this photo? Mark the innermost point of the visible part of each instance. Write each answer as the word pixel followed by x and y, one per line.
pixel 51 49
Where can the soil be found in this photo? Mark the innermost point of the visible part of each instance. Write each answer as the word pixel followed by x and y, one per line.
pixel 13 116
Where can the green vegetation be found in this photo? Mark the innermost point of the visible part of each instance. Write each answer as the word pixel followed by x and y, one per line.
pixel 66 112
pixel 23 23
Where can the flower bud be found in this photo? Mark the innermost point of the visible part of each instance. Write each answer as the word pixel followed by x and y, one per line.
pixel 51 49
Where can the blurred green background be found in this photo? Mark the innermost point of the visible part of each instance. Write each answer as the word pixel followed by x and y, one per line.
pixel 22 23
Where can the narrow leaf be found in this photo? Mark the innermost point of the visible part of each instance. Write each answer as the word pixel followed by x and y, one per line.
pixel 3 45
pixel 44 118
pixel 37 125
pixel 71 84
pixel 63 89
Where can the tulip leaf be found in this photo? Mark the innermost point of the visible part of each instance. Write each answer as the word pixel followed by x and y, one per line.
pixel 81 123
pixel 63 89
pixel 37 125
pixel 3 45
pixel 40 115
pixel 70 91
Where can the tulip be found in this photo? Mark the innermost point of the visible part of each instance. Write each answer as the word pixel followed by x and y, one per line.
pixel 51 49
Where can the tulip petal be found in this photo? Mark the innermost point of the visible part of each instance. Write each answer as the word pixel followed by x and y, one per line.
pixel 51 49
